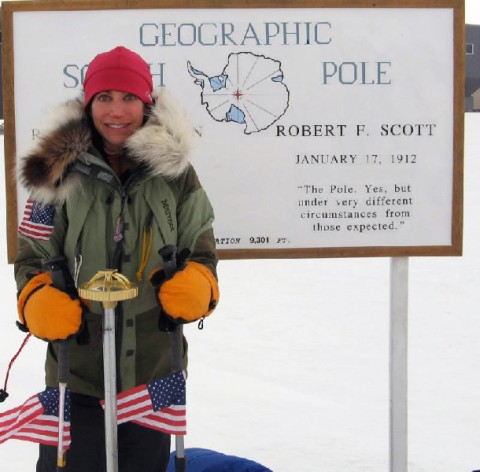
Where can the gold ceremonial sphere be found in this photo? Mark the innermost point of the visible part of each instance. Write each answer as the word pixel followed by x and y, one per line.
pixel 109 287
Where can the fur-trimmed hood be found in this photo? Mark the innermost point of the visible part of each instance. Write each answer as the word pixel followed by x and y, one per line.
pixel 162 144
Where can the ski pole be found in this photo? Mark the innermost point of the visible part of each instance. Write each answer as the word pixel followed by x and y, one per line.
pixel 170 266
pixel 109 287
pixel 177 365
pixel 62 280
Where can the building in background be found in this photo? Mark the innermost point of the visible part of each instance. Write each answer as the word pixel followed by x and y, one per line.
pixel 472 68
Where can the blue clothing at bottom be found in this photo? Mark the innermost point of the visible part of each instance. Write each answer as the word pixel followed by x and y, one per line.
pixel 205 460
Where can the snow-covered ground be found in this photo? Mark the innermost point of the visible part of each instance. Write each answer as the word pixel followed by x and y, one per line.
pixel 292 369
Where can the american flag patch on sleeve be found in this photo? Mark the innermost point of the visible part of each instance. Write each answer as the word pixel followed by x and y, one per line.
pixel 37 222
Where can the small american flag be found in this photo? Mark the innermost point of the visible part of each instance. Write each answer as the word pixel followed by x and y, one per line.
pixel 36 420
pixel 37 222
pixel 159 405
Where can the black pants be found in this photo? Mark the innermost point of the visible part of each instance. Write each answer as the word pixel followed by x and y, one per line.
pixel 139 448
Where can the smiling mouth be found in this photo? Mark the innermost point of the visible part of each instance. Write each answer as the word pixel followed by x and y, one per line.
pixel 116 126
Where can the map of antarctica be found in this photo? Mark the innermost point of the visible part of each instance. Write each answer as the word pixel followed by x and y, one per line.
pixel 249 91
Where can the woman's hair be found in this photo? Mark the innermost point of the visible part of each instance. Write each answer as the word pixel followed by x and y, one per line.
pixel 97 140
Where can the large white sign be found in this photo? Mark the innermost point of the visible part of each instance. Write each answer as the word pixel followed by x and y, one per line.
pixel 322 129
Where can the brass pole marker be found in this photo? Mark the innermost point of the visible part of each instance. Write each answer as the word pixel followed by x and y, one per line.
pixel 108 287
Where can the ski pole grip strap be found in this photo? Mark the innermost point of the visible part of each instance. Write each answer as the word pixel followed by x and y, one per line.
pixel 169 256
pixel 63 364
pixel 61 277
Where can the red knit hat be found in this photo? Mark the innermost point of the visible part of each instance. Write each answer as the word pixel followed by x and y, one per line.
pixel 119 69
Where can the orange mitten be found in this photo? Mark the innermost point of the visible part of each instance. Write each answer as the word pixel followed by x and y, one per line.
pixel 192 293
pixel 47 312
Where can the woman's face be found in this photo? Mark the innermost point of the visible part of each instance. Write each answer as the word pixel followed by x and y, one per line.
pixel 116 116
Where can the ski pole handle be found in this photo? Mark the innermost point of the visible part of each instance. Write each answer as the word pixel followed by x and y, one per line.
pixel 63 362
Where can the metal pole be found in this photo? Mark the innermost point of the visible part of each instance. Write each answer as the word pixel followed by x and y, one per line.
pixel 399 364
pixel 110 385
pixel 109 287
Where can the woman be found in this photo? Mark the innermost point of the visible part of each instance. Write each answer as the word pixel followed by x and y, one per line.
pixel 110 185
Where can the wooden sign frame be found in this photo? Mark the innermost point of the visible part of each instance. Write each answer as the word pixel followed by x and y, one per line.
pixel 265 248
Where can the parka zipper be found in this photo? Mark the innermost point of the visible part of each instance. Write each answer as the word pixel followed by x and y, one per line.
pixel 118 239
pixel 120 222
pixel 118 235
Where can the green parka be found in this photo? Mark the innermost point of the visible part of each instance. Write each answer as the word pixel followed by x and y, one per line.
pixel 101 223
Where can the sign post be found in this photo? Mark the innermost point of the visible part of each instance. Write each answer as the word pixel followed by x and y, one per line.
pixel 399 364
